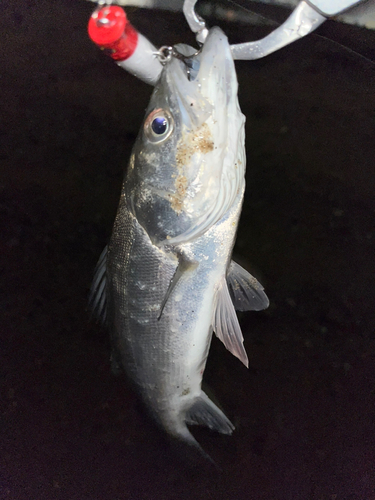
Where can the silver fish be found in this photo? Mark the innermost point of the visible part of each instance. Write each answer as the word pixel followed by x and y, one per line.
pixel 166 281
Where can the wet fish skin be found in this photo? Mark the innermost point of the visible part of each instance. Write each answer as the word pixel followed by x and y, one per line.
pixel 162 283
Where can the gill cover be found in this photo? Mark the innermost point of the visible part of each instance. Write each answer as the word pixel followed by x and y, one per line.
pixel 188 163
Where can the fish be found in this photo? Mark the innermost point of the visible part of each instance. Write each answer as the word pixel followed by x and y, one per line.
pixel 166 280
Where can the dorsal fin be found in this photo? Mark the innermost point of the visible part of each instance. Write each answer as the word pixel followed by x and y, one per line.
pixel 98 291
pixel 246 292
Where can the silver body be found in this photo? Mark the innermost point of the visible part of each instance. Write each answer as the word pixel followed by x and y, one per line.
pixel 165 276
pixel 166 358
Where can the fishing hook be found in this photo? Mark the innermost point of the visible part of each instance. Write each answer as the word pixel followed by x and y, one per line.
pixel 165 54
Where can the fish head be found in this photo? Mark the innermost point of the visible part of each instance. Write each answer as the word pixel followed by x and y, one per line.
pixel 187 166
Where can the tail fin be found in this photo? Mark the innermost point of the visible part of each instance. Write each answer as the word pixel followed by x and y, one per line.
pixel 185 435
pixel 202 412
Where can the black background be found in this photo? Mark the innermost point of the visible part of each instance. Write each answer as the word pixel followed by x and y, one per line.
pixel 304 411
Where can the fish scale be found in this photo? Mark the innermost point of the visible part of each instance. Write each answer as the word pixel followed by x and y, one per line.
pixel 177 361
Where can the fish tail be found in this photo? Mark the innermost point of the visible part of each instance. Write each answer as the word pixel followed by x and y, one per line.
pixel 203 412
pixel 185 435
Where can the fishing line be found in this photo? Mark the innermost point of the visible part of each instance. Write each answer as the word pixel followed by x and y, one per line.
pixel 345 47
pixel 261 16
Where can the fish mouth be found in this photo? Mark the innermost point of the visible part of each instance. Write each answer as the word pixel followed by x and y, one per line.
pixel 191 62
pixel 201 80
pixel 214 58
pixel 200 64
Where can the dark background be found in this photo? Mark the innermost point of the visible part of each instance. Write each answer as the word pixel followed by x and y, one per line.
pixel 304 411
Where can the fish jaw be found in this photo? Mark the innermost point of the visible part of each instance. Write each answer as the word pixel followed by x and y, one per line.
pixel 179 187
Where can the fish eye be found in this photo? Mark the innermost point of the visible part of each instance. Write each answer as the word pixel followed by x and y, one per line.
pixel 158 125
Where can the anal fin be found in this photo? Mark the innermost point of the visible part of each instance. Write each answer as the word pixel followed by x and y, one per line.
pixel 225 324
pixel 205 412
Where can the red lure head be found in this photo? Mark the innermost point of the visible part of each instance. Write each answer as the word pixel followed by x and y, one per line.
pixel 110 29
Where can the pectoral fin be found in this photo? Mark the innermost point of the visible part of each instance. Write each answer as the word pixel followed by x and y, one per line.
pixel 98 295
pixel 184 265
pixel 226 325
pixel 246 292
